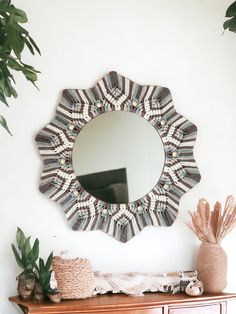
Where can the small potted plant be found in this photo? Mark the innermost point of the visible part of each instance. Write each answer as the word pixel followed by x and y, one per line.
pixel 54 295
pixel 26 257
pixel 42 285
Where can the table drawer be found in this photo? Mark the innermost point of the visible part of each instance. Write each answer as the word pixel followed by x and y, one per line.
pixel 207 309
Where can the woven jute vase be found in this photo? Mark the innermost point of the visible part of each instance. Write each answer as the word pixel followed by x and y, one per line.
pixel 75 278
pixel 212 267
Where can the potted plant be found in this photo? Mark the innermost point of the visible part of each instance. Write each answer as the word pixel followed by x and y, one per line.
pixel 26 257
pixel 14 39
pixel 42 285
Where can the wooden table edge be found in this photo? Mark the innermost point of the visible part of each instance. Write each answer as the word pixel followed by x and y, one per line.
pixel 132 304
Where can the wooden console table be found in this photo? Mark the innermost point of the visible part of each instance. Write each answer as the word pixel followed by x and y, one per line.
pixel 150 303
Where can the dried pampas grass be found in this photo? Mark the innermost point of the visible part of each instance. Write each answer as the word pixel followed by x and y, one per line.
pixel 213 226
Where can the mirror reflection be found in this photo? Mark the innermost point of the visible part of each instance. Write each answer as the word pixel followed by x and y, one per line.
pixel 118 157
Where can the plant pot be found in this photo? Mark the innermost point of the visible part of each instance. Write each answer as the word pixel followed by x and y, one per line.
pixel 25 286
pixel 38 293
pixel 55 298
pixel 212 267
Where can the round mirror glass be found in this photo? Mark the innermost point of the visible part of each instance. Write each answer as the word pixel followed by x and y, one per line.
pixel 118 157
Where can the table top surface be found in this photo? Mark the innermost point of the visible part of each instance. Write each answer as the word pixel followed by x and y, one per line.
pixel 123 301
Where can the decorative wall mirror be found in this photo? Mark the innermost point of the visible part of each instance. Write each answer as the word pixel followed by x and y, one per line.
pixel 118 157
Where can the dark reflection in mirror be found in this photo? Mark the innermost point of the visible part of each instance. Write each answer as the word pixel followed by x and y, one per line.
pixel 110 186
pixel 118 157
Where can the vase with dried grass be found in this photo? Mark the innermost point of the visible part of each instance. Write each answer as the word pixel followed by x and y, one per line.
pixel 211 226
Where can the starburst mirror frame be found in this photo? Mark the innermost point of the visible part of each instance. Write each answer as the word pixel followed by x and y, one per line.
pixel 77 107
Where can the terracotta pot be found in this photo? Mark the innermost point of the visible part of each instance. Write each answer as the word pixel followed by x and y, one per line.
pixel 25 287
pixel 212 267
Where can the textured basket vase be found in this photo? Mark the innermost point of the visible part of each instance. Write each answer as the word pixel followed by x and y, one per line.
pixel 75 278
pixel 212 267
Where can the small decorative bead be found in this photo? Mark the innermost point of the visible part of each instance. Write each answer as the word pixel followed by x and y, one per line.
pixel 134 103
pixel 62 161
pixel 76 193
pixel 98 104
pixel 104 211
pixel 140 209
pixel 174 154
pixel 163 122
pixel 71 126
pixel 166 186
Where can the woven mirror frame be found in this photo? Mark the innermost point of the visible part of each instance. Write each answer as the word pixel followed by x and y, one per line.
pixel 76 108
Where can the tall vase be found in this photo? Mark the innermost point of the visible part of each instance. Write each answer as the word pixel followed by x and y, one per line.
pixel 212 267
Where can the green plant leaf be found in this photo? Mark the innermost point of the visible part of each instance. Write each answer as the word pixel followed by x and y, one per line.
pixel 35 252
pixel 17 257
pixel 232 25
pixel 13 64
pixel 13 91
pixel 45 280
pixel 2 84
pixel 27 66
pixel 20 237
pixel 9 90
pixel 226 24
pixel 36 267
pixel 41 265
pixel 28 44
pixel 3 98
pixel 5 73
pixel 24 258
pixel 231 11
pixel 30 75
pixel 27 247
pixel 3 123
pixel 35 45
pixel 20 16
pixel 29 267
pixel 49 262
pixel 16 39
pixel 23 30
pixel 4 4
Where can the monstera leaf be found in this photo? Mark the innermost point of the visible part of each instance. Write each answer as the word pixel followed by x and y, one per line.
pixel 230 24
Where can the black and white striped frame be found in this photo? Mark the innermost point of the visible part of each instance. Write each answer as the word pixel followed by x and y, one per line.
pixel 58 180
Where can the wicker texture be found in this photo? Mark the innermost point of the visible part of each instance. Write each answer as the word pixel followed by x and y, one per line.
pixel 212 267
pixel 75 278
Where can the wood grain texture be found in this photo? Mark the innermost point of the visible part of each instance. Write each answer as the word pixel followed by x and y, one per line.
pixel 151 303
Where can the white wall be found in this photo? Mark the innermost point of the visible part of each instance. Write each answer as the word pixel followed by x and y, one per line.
pixel 117 140
pixel 171 43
